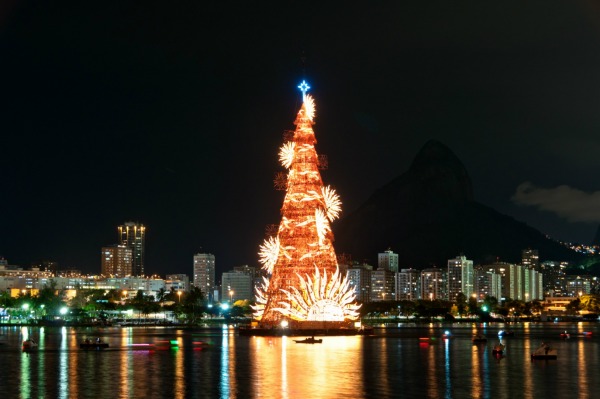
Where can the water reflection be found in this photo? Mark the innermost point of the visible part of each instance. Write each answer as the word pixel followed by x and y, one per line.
pixel 583 367
pixel 476 379
pixel 179 389
pixel 25 391
pixel 447 369
pixel 285 369
pixel 284 379
pixel 124 363
pixel 64 387
pixel 431 372
pixel 225 364
pixel 398 365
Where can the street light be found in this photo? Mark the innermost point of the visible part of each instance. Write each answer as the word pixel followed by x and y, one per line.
pixel 230 296
pixel 179 295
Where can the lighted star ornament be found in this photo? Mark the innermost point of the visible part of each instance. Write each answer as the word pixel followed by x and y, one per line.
pixel 304 88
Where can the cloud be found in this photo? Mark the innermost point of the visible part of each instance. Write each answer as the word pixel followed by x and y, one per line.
pixel 569 203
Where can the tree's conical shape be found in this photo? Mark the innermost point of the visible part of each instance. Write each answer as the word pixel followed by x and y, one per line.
pixel 305 285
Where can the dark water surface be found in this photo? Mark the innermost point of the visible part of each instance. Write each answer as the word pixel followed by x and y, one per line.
pixel 217 363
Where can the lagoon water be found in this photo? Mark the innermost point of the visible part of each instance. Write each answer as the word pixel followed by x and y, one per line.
pixel 217 363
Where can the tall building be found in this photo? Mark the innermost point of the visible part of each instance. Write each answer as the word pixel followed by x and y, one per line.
pixel 256 274
pixel 305 288
pixel 579 285
pixel 382 285
pixel 359 276
pixel 236 285
pixel 460 277
pixel 518 282
pixel 133 235
pixel 487 283
pixel 387 260
pixel 555 284
pixel 530 259
pixel 116 261
pixel 433 284
pixel 408 285
pixel 204 273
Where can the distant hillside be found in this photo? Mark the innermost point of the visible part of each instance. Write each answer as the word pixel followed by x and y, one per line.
pixel 428 215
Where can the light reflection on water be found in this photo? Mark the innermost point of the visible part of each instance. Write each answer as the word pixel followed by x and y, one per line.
pixel 393 363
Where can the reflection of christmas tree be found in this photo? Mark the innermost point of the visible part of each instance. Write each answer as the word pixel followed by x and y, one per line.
pixel 305 284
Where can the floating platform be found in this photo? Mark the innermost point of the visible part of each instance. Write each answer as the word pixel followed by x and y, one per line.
pixel 93 345
pixel 294 332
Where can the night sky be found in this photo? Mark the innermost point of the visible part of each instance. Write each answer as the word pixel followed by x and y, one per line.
pixel 172 115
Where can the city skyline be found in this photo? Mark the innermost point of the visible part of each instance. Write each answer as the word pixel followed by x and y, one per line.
pixel 146 114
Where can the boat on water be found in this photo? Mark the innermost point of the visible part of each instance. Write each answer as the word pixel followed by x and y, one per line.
pixel 29 344
pixel 565 335
pixel 97 344
pixel 478 339
pixel 545 351
pixel 309 340
pixel 505 333
pixel 498 349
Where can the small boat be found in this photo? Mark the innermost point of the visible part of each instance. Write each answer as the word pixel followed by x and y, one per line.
pixel 29 344
pixel 498 350
pixel 478 339
pixel 97 344
pixel 505 333
pixel 565 335
pixel 544 352
pixel 310 340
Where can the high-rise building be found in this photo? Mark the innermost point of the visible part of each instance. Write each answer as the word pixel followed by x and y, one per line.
pixel 530 259
pixel 554 278
pixel 408 285
pixel 518 282
pixel 255 273
pixel 359 276
pixel 236 285
pixel 382 285
pixel 460 277
pixel 116 261
pixel 433 284
pixel 133 235
pixel 204 273
pixel 487 283
pixel 387 260
pixel 578 285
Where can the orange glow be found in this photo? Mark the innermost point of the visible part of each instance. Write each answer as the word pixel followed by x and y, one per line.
pixel 305 284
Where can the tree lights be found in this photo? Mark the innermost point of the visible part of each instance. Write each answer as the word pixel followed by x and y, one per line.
pixel 304 283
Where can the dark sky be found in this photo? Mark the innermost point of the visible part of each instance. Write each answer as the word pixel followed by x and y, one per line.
pixel 172 113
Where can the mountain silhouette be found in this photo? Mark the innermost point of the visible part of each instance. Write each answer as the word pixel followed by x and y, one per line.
pixel 428 215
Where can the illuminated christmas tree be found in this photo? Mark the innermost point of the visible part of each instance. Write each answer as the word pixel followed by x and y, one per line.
pixel 305 288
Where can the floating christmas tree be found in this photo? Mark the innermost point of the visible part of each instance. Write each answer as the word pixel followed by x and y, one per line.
pixel 305 287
